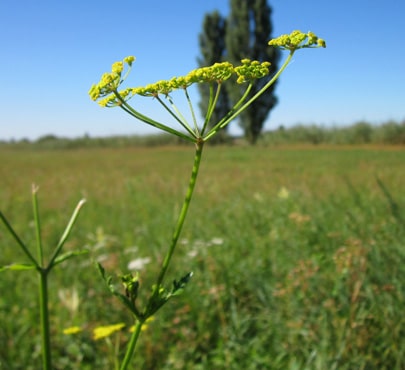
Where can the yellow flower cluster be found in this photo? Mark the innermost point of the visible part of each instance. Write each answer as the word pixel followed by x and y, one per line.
pixel 251 70
pixel 298 40
pixel 72 330
pixel 110 81
pixel 248 71
pixel 105 331
pixel 217 73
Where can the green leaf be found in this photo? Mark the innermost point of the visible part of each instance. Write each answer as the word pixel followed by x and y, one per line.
pixel 67 255
pixel 178 286
pixel 18 267
pixel 101 270
pixel 111 287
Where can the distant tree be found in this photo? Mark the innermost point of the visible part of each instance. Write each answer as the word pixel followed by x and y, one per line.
pixel 244 34
pixel 249 29
pixel 212 46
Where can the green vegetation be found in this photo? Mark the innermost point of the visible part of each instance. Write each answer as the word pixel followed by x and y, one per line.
pixel 359 133
pixel 390 132
pixel 142 310
pixel 298 256
pixel 290 277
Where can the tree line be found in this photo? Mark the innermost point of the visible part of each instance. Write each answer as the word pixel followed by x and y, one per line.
pixel 359 133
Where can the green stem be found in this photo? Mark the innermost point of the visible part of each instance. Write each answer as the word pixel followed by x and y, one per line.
pixel 37 225
pixel 116 352
pixel 165 265
pixel 178 116
pixel 18 240
pixel 43 288
pixel 66 233
pixel 44 317
pixel 190 105
pixel 176 234
pixel 226 118
pixel 131 345
pixel 182 215
pixel 127 108
pixel 211 105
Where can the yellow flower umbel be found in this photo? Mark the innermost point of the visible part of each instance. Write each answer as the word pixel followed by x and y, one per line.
pixel 72 330
pixel 298 40
pixel 109 83
pixel 105 331
pixel 107 94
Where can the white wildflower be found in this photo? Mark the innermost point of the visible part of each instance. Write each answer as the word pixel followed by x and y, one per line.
pixel 69 298
pixel 138 263
pixel 217 241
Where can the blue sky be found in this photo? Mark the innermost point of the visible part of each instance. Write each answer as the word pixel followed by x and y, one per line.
pixel 52 51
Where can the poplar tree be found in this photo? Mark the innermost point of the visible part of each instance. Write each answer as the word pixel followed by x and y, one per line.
pixel 248 32
pixel 212 46
pixel 245 34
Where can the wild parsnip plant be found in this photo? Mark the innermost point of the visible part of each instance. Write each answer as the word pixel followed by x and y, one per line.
pixel 108 94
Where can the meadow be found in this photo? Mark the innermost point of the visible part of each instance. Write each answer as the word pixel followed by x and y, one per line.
pixel 298 255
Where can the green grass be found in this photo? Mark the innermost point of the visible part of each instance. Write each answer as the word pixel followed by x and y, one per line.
pixel 311 281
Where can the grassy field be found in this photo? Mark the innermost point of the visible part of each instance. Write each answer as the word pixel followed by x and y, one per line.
pixel 298 256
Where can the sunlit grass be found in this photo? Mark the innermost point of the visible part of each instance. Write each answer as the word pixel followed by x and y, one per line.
pixel 310 279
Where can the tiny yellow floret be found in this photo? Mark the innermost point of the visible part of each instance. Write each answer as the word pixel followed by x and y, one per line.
pixel 117 67
pixel 129 59
pixel 144 326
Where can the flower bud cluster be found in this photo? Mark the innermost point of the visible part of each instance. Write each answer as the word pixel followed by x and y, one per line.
pixel 298 40
pixel 110 81
pixel 251 70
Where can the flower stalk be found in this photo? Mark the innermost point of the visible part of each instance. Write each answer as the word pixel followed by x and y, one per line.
pixel 183 212
pixel 131 345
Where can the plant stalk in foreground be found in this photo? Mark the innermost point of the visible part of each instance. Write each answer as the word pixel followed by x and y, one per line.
pixel 155 300
pixel 43 269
